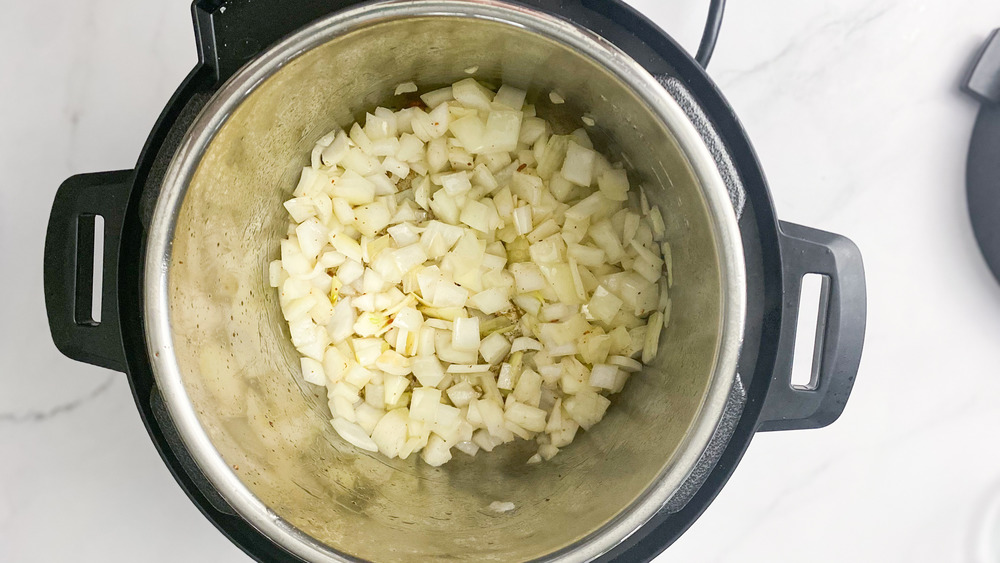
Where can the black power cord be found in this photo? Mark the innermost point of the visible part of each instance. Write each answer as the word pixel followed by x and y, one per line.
pixel 711 33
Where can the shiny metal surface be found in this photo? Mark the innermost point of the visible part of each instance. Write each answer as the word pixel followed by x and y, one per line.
pixel 229 375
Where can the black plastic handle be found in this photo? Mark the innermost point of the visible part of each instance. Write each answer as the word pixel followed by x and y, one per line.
pixel 840 330
pixel 69 267
pixel 983 78
pixel 230 33
pixel 982 175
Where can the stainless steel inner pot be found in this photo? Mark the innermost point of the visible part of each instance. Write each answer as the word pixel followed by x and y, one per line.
pixel 229 375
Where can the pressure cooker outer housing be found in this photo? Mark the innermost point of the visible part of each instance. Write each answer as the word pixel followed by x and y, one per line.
pixel 776 256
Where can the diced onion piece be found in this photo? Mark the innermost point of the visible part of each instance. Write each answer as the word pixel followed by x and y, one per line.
pixel 312 371
pixel 468 448
pixel 367 350
pixel 605 237
pixel 438 97
pixel 457 183
pixel 647 264
pixel 390 432
pixel 590 207
pixel 526 416
pixel 503 128
pixel 465 334
pixel 336 150
pixel 300 208
pixel 614 185
pixel 587 255
pixel 522 220
pixel 309 182
pixel 472 94
pixel 494 348
pixel 523 343
pixel 436 453
pixel 604 376
pixel 367 417
pixel 490 301
pixel 586 408
pixel 468 368
pixel 354 434
pixel 312 236
pixel 579 164
pixel 528 389
pixel 406 88
pixel 424 403
pixel 370 324
pixel 656 221
pixel 479 216
pixel 394 363
pixel 274 273
pixel 547 451
pixel 352 187
pixel 631 225
pixel 527 277
pixel 394 386
pixel 335 364
pixel 652 338
pixel 428 370
pixel 461 394
pixel 409 257
pixel 625 363
pixel 408 318
pixel 346 246
pixel 604 305
pixel 510 97
pixel 492 416
pixel 448 294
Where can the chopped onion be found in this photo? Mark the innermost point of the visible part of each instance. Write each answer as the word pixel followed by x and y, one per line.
pixel 522 220
pixel 603 376
pixel 448 294
pixel 465 334
pixel 354 434
pixel 614 185
pixel 428 370
pixel 469 368
pixel 490 301
pixel 525 343
pixel 626 363
pixel 461 394
pixel 312 371
pixel 579 165
pixel 527 277
pixel 511 97
pixel 494 348
pixel 424 403
pixel 422 241
pixel 406 88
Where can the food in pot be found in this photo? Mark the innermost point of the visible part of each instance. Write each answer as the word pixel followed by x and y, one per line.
pixel 459 276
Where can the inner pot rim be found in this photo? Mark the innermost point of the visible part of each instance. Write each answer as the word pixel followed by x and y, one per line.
pixel 218 110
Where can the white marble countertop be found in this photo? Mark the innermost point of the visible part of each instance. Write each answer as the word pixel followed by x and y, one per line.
pixel 854 108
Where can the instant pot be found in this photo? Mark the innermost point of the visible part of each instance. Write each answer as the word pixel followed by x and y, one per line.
pixel 187 313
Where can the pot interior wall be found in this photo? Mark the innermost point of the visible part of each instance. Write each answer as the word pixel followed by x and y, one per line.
pixel 242 374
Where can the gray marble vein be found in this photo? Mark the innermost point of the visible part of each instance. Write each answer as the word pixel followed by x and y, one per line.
pixel 837 26
pixel 62 409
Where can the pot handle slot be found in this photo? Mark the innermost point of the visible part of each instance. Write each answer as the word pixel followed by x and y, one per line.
pixel 229 34
pixel 69 267
pixel 840 330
